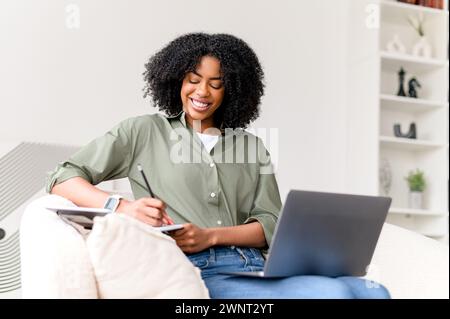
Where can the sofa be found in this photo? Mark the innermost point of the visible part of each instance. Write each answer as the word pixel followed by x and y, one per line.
pixel 58 261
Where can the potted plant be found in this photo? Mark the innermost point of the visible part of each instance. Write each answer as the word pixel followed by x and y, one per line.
pixel 422 48
pixel 416 182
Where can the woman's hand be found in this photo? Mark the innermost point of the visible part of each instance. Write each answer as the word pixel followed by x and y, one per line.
pixel 147 209
pixel 192 239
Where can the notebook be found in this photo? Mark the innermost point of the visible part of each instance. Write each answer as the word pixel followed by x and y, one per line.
pixel 84 216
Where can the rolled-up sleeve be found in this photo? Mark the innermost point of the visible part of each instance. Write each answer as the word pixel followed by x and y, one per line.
pixel 267 203
pixel 105 158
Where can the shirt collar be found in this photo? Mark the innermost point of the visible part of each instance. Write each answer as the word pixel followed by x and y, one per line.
pixel 180 116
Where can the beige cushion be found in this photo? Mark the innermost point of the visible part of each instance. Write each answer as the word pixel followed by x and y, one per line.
pixel 133 260
pixel 411 265
pixel 54 259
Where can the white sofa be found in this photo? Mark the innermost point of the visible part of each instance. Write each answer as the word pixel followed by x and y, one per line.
pixel 408 264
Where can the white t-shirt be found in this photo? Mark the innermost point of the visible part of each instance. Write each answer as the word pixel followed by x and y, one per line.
pixel 208 140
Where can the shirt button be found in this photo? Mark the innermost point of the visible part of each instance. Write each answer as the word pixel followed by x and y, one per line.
pixel 219 222
pixel 212 195
pixel 211 165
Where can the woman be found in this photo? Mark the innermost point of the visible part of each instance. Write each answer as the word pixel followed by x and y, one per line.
pixel 209 87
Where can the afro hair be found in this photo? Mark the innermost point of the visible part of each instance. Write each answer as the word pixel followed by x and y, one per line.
pixel 242 76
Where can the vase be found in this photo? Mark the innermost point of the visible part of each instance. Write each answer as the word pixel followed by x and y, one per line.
pixel 385 176
pixel 415 200
pixel 422 48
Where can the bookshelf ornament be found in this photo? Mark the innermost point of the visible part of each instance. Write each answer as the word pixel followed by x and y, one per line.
pixel 416 184
pixel 422 48
pixel 401 82
pixel 396 46
pixel 412 133
pixel 412 84
pixel 385 176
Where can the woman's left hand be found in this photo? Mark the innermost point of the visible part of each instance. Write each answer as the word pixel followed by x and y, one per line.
pixel 192 239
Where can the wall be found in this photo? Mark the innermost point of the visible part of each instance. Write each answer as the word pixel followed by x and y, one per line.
pixel 70 85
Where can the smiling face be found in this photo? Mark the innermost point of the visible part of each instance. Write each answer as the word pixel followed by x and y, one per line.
pixel 202 92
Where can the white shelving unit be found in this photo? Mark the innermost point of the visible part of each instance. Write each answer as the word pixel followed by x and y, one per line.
pixel 374 81
pixel 429 152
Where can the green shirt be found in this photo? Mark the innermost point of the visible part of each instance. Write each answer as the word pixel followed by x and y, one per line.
pixel 232 185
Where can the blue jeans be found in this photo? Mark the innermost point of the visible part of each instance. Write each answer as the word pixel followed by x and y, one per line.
pixel 214 260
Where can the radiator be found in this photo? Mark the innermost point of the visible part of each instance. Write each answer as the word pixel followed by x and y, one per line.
pixel 23 169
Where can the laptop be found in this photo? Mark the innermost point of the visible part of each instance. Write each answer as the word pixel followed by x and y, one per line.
pixel 324 234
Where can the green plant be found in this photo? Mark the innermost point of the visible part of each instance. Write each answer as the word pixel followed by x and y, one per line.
pixel 416 181
pixel 417 24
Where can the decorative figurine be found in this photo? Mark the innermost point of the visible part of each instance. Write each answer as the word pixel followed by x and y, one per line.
pixel 385 176
pixel 401 80
pixel 396 46
pixel 412 133
pixel 412 84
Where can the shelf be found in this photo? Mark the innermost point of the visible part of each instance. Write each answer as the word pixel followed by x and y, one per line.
pixel 393 62
pixel 412 8
pixel 409 144
pixel 400 103
pixel 418 212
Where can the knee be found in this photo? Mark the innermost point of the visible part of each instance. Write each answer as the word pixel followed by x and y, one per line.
pixel 335 289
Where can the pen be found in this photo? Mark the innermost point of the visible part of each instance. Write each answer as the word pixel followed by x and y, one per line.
pixel 150 189
pixel 145 180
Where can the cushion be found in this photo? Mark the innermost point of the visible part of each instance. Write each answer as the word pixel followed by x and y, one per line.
pixel 54 259
pixel 133 260
pixel 410 265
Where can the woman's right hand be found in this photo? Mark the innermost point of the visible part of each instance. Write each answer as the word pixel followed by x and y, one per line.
pixel 149 210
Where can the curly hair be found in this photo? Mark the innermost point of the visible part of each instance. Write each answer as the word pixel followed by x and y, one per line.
pixel 242 76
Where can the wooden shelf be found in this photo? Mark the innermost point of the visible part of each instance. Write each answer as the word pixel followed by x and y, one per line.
pixel 393 62
pixel 409 144
pixel 418 212
pixel 407 104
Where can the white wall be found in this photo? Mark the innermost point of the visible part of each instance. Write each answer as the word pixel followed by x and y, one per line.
pixel 70 85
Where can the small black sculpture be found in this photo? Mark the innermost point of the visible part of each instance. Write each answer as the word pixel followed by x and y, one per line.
pixel 401 80
pixel 412 133
pixel 412 84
